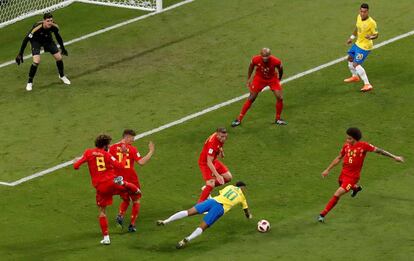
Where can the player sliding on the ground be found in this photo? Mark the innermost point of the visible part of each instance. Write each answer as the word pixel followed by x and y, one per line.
pixel 265 75
pixel 124 150
pixel 41 36
pixel 215 208
pixel 365 32
pixel 214 172
pixel 101 168
pixel 353 154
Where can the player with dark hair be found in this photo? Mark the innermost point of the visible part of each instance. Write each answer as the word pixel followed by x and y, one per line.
pixel 41 36
pixel 101 168
pixel 365 31
pixel 229 197
pixel 214 172
pixel 124 150
pixel 353 154
pixel 266 65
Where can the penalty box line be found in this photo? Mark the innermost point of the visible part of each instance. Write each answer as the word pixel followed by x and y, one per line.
pixel 207 110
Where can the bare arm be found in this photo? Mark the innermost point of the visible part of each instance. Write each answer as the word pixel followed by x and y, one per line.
pixel 388 154
pixel 332 165
pixel 353 36
pixel 280 71
pixel 213 169
pixel 249 73
pixel 147 157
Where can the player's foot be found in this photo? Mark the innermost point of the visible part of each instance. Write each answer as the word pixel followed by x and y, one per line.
pixel 366 88
pixel 321 219
pixel 106 241
pixel 352 79
pixel 160 223
pixel 65 80
pixel 235 123
pixel 119 180
pixel 355 192
pixel 119 221
pixel 182 243
pixel 132 228
pixel 280 122
pixel 29 86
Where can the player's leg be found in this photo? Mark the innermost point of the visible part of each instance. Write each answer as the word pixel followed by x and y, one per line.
pixel 277 91
pixel 103 223
pixel 122 209
pixel 136 206
pixel 246 106
pixel 208 188
pixel 179 215
pixel 343 189
pixel 197 232
pixel 33 68
pixel 351 56
pixel 130 187
pixel 355 189
pixel 59 63
pixel 360 56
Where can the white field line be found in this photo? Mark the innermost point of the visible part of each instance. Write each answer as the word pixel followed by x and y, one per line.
pixel 111 28
pixel 207 110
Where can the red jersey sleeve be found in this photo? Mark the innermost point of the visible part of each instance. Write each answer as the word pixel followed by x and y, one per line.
pixel 343 150
pixel 368 147
pixel 254 61
pixel 135 154
pixel 82 160
pixel 276 61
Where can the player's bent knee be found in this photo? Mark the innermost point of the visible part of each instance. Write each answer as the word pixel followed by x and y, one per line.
pixel 211 183
pixel 355 64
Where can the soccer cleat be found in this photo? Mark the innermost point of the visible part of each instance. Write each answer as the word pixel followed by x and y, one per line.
pixel 119 221
pixel 119 180
pixel 65 80
pixel 29 86
pixel 182 243
pixel 235 123
pixel 106 241
pixel 366 88
pixel 280 122
pixel 352 79
pixel 160 223
pixel 132 228
pixel 355 192
pixel 321 219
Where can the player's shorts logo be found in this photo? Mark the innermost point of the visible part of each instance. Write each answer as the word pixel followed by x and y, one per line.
pixel 360 56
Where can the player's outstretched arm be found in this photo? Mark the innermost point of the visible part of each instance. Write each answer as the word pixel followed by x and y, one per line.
pixel 19 58
pixel 353 36
pixel 332 165
pixel 146 158
pixel 388 154
pixel 247 213
pixel 61 44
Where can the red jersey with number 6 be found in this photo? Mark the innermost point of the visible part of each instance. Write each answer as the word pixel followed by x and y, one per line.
pixel 266 70
pixel 353 158
pixel 131 156
pixel 212 147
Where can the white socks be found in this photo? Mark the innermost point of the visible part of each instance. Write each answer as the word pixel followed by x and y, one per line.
pixel 176 216
pixel 195 234
pixel 361 72
pixel 352 68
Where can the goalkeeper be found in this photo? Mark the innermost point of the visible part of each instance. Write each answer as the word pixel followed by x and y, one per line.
pixel 41 36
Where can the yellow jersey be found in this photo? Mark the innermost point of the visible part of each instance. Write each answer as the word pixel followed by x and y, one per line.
pixel 364 28
pixel 231 196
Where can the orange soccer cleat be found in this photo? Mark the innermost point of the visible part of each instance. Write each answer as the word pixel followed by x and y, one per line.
pixel 366 88
pixel 352 79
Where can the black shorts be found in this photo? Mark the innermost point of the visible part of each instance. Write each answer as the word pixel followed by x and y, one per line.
pixel 50 47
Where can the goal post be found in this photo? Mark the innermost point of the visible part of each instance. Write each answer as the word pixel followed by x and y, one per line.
pixel 12 11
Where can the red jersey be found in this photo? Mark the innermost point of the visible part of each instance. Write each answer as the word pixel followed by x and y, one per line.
pixel 354 156
pixel 266 71
pixel 212 147
pixel 101 165
pixel 131 156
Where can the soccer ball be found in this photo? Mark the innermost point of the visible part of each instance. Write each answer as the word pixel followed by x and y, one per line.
pixel 263 226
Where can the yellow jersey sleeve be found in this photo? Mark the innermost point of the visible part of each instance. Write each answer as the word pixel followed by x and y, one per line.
pixel 231 196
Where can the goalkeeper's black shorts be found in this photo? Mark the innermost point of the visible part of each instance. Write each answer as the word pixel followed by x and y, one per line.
pixel 49 46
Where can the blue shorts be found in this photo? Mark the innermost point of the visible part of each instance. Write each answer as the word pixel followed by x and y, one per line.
pixel 215 210
pixel 358 55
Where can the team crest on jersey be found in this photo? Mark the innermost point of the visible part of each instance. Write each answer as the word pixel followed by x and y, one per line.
pixel 30 35
pixel 210 151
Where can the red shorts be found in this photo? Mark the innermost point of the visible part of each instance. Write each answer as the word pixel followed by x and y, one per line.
pixel 258 84
pixel 208 174
pixel 126 196
pixel 347 183
pixel 105 191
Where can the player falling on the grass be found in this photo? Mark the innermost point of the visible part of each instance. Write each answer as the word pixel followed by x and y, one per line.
pixel 365 32
pixel 41 36
pixel 214 172
pixel 353 154
pixel 101 168
pixel 215 208
pixel 265 75
pixel 124 150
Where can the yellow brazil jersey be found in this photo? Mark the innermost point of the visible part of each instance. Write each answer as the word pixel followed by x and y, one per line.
pixel 231 196
pixel 366 27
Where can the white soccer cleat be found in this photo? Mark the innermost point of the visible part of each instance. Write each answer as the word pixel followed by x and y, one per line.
pixel 29 86
pixel 106 241
pixel 119 180
pixel 65 80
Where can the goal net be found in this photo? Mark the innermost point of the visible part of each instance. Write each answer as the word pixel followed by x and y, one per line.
pixel 12 11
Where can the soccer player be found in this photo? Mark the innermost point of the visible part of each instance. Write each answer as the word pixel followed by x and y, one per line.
pixel 365 32
pixel 41 36
pixel 124 150
pixel 214 172
pixel 265 75
pixel 215 208
pixel 101 168
pixel 353 154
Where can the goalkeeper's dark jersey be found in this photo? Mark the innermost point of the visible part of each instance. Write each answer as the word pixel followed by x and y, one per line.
pixel 41 35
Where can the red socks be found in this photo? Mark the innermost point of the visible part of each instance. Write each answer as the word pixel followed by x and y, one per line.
pixel 245 108
pixel 123 207
pixel 103 222
pixel 279 108
pixel 330 205
pixel 135 212
pixel 204 194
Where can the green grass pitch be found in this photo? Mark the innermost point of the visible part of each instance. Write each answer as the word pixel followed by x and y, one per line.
pixel 165 67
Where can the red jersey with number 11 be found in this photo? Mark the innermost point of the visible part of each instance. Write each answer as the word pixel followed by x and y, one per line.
pixel 354 156
pixel 131 156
